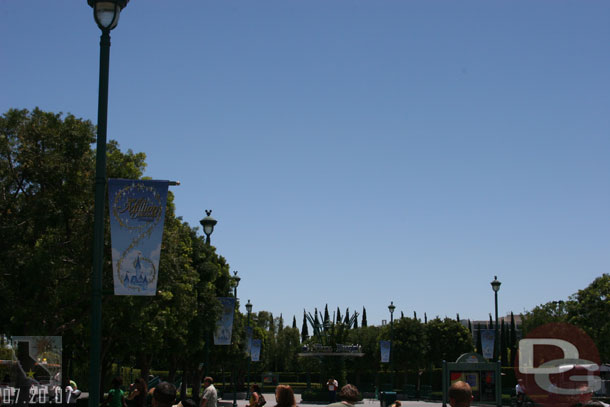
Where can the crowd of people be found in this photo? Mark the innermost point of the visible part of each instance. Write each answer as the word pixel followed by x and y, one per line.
pixel 164 394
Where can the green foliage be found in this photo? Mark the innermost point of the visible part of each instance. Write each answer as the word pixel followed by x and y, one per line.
pixel 410 345
pixel 47 181
pixel 304 329
pixel 368 338
pixel 554 311
pixel 447 340
pixel 589 309
pixel 586 309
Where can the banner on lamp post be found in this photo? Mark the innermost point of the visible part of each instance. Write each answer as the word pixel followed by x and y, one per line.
pixel 249 331
pixel 137 212
pixel 255 350
pixel 224 326
pixel 385 347
pixel 488 342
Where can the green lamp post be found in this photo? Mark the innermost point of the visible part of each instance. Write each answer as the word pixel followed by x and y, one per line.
pixel 106 14
pixel 249 309
pixel 495 285
pixel 237 279
pixel 208 224
pixel 392 307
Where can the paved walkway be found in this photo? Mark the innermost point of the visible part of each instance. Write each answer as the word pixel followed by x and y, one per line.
pixel 270 397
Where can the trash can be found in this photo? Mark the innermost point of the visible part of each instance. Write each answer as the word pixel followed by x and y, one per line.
pixel 387 398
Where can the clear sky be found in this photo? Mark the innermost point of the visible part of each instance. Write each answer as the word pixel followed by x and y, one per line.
pixel 355 152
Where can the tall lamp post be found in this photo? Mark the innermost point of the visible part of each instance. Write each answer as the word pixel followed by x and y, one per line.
pixel 208 224
pixel 249 346
pixel 106 15
pixel 495 285
pixel 237 279
pixel 391 307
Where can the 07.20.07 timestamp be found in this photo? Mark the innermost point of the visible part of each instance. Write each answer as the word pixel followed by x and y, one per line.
pixel 35 395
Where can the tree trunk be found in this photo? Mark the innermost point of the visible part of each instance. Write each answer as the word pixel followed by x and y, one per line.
pixel 183 386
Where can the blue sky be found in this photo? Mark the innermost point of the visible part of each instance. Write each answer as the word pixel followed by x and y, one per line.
pixel 355 152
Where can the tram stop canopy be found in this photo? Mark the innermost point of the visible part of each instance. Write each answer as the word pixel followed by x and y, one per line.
pixel 483 377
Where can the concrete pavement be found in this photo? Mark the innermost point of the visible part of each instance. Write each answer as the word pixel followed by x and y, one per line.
pixel 270 397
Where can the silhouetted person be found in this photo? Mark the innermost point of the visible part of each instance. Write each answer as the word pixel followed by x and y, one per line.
pixel 164 395
pixel 460 394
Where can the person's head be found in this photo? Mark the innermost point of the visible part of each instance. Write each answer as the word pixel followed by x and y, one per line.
pixel 349 393
pixel 164 395
pixel 460 394
pixel 141 385
pixel 284 396
pixel 117 382
pixel 207 381
pixel 256 388
pixel 397 403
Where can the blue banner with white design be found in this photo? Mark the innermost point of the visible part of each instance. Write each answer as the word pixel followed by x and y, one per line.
pixel 137 212
pixel 255 350
pixel 487 343
pixel 224 326
pixel 384 347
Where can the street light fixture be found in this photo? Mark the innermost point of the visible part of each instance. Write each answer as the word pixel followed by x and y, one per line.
pixel 249 345
pixel 208 224
pixel 495 285
pixel 106 15
pixel 391 307
pixel 106 12
pixel 237 279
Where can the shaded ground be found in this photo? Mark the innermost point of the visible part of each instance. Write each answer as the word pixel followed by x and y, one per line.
pixel 270 397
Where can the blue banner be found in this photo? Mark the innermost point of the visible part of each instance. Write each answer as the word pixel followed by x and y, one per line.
pixel 137 212
pixel 487 343
pixel 249 332
pixel 255 350
pixel 384 347
pixel 224 326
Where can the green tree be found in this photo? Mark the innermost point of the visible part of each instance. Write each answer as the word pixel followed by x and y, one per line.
pixel 479 341
pixel 287 349
pixel 554 311
pixel 368 338
pixel 447 340
pixel 304 330
pixel 364 322
pixel 47 178
pixel 589 309
pixel 503 344
pixel 410 345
